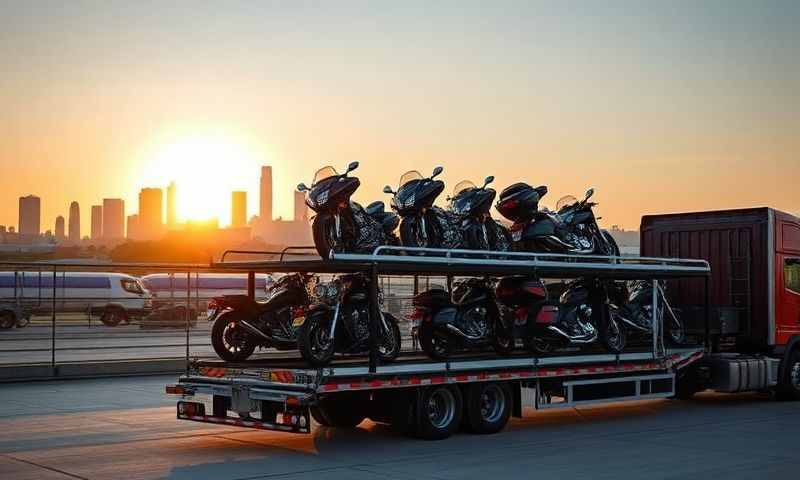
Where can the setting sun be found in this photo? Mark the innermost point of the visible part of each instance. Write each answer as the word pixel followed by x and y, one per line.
pixel 205 169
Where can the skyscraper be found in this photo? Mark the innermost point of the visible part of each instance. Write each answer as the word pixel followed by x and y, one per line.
pixel 30 215
pixel 265 210
pixel 97 222
pixel 172 213
pixel 238 209
pixel 59 228
pixel 300 207
pixel 134 224
pixel 74 228
pixel 113 218
pixel 151 201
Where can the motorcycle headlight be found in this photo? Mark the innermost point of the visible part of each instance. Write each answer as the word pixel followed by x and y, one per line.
pixel 462 209
pixel 410 200
pixel 322 197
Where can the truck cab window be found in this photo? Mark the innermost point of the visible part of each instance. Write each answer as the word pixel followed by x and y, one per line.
pixel 791 274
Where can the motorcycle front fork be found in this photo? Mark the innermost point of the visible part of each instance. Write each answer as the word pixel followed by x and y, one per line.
pixel 334 322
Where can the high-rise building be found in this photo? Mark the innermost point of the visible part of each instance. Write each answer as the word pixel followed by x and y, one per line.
pixel 134 227
pixel 113 218
pixel 74 227
pixel 30 208
pixel 300 207
pixel 172 212
pixel 97 222
pixel 265 190
pixel 150 226
pixel 238 209
pixel 59 227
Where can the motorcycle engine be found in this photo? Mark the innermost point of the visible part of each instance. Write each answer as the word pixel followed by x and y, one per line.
pixel 359 321
pixel 580 241
pixel 475 322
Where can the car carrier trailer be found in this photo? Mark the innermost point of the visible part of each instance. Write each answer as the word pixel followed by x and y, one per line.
pixel 479 392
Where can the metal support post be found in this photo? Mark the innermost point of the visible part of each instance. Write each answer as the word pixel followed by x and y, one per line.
pixel 374 318
pixel 654 320
pixel 707 312
pixel 53 324
pixel 251 285
pixel 186 315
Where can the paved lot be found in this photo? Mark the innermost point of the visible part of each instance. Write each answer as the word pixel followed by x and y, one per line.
pixel 125 428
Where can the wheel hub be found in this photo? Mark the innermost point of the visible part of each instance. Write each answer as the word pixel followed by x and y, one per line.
pixel 441 409
pixel 795 375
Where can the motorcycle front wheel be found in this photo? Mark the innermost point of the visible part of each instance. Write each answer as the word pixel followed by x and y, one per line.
pixel 677 332
pixel 475 237
pixel 433 345
pixel 614 336
pixel 389 342
pixel 503 340
pixel 230 340
pixel 326 238
pixel 314 341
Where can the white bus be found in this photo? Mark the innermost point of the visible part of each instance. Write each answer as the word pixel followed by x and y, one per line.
pixel 114 297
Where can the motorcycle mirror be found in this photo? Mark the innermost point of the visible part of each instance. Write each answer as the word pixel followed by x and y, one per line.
pixel 436 171
pixel 488 180
pixel 301 187
pixel 388 189
pixel 352 166
pixel 589 193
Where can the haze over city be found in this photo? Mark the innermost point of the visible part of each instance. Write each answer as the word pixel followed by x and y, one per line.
pixel 660 107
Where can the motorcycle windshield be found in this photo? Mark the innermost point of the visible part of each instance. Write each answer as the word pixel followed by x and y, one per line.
pixel 565 201
pixel 461 186
pixel 408 177
pixel 323 173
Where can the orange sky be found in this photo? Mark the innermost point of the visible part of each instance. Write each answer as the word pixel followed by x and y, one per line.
pixel 659 108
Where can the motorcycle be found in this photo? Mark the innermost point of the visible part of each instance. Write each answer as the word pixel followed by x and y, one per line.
pixel 339 322
pixel 340 225
pixel 572 228
pixel 635 313
pixel 423 224
pixel 240 323
pixel 580 317
pixel 387 220
pixel 471 205
pixel 470 319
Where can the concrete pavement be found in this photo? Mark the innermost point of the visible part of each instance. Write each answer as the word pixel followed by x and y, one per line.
pixel 126 428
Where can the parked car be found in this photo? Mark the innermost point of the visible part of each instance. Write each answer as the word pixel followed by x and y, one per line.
pixel 114 297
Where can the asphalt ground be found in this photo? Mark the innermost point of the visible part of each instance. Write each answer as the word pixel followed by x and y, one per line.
pixel 125 428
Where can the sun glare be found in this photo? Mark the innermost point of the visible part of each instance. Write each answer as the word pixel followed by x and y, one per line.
pixel 205 169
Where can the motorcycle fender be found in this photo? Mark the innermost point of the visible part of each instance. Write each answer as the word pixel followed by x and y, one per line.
pixel 445 316
pixel 547 315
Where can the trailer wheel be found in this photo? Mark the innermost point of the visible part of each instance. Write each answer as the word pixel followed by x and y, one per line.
pixel 341 411
pixel 488 407
pixel 789 386
pixel 440 411
pixel 113 316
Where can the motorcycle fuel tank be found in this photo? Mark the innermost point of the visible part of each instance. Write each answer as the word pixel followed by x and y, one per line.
pixel 520 290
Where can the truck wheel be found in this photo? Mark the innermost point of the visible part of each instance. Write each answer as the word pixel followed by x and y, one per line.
pixel 346 411
pixel 789 386
pixel 7 320
pixel 113 316
pixel 488 407
pixel 440 412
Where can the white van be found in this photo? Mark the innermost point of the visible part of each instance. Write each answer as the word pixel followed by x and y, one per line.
pixel 170 289
pixel 114 297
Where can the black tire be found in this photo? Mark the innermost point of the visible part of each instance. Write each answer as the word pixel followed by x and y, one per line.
pixel 613 335
pixel 325 239
pixel 411 234
pixel 487 407
pixel 474 238
pixel 313 339
pixel 389 348
pixel 686 383
pixel 676 333
pixel 435 346
pixel 340 411
pixel 440 412
pixel 789 384
pixel 612 244
pixel 7 319
pixel 230 340
pixel 538 345
pixel 113 316
pixel 503 339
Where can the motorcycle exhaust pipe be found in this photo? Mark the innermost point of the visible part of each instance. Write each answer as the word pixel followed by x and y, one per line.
pixel 462 334
pixel 577 340
pixel 255 331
